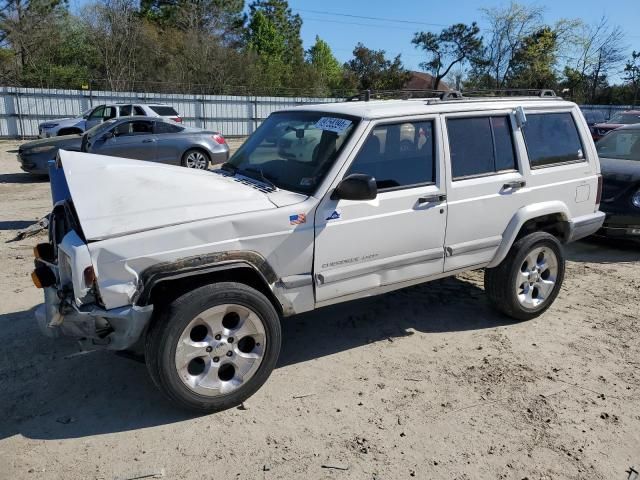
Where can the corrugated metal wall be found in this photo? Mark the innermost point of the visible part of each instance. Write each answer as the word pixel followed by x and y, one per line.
pixel 22 109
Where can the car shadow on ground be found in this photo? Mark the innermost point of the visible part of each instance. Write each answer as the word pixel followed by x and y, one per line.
pixel 604 250
pixel 51 391
pixel 22 178
pixel 16 224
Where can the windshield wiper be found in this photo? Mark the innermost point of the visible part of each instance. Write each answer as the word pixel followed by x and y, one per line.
pixel 257 174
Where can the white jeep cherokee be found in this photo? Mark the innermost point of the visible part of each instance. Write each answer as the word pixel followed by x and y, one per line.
pixel 198 267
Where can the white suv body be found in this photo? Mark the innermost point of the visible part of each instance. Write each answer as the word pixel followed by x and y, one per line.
pixel 101 113
pixel 434 188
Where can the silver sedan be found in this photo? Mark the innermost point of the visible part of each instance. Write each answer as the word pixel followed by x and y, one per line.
pixel 157 140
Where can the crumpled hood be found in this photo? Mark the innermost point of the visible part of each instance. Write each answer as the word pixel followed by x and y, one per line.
pixel 116 196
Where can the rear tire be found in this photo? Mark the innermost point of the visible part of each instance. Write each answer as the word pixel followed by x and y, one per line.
pixel 214 347
pixel 195 158
pixel 528 280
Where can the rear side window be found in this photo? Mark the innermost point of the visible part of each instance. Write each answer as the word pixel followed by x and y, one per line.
pixel 125 110
pixel 163 127
pixel 551 139
pixel 164 111
pixel 138 110
pixel 480 146
pixel 398 155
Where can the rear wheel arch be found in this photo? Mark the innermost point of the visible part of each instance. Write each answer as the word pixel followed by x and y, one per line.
pixel 551 217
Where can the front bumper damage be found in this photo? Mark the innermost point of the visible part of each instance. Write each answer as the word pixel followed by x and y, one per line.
pixel 94 327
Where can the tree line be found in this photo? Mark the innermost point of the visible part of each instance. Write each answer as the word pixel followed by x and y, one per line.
pixel 218 46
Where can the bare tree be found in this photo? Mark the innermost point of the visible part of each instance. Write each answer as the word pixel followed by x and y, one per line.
pixel 117 33
pixel 599 51
pixel 508 27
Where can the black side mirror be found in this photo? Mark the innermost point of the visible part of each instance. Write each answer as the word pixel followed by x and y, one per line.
pixel 356 186
pixel 108 135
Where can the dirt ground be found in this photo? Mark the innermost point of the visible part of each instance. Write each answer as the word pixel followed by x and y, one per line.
pixel 427 382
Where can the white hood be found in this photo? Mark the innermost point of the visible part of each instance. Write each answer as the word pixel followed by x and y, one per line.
pixel 116 196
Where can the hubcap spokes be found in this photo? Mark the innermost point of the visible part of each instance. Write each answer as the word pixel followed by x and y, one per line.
pixel 196 160
pixel 220 350
pixel 537 277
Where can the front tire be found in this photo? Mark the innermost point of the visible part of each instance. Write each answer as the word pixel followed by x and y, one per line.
pixel 214 347
pixel 528 280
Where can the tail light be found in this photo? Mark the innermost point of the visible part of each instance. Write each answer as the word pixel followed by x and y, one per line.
pixel 177 119
pixel 599 194
pixel 219 138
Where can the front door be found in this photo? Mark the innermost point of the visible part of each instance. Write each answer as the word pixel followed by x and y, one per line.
pixel 131 139
pixel 364 246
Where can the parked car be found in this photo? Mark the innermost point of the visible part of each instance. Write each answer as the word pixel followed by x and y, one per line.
pixel 618 120
pixel 34 156
pixel 619 155
pixel 157 140
pixel 101 113
pixel 592 118
pixel 199 267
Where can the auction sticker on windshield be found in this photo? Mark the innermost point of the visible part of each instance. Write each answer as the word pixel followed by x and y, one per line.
pixel 332 124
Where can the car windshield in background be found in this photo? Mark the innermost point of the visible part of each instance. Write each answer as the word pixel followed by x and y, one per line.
pixel 625 118
pixel 164 111
pixel 101 127
pixel 293 150
pixel 623 144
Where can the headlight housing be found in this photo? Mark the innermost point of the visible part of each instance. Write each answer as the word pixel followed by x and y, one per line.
pixel 635 199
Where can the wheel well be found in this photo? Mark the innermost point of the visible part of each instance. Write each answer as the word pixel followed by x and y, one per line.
pixel 554 223
pixel 167 291
pixel 68 131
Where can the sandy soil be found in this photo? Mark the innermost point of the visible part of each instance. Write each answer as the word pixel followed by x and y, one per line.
pixel 427 382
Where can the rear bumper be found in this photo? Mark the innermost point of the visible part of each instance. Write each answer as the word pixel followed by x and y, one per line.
pixel 584 226
pixel 95 328
pixel 218 157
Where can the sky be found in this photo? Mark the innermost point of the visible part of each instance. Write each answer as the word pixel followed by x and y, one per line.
pixel 335 22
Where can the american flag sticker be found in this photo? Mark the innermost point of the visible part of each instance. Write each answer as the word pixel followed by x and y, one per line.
pixel 297 219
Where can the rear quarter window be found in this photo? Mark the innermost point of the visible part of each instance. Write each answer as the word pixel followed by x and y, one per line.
pixel 164 111
pixel 552 139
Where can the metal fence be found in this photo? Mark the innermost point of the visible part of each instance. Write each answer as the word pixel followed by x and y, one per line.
pixel 23 109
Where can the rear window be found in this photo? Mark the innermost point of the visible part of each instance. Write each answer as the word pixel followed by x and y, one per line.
pixel 163 127
pixel 552 139
pixel 164 111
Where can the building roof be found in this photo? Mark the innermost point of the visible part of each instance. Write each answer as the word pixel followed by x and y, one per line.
pixel 423 81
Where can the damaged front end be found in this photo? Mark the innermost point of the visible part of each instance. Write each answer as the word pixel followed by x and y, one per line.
pixel 72 304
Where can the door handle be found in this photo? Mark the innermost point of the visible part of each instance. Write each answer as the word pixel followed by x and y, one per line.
pixel 432 199
pixel 148 140
pixel 514 185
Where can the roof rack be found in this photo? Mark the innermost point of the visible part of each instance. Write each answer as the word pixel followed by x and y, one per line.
pixel 450 95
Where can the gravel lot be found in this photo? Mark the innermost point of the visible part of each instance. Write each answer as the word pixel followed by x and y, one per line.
pixel 426 382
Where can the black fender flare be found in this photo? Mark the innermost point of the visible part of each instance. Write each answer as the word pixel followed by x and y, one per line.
pixel 198 265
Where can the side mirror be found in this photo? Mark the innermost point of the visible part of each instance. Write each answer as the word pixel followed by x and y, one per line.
pixel 108 135
pixel 356 186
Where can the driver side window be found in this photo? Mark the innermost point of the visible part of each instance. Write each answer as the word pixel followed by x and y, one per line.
pixel 398 155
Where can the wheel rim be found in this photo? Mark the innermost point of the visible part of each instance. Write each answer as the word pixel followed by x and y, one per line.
pixel 196 160
pixel 537 277
pixel 220 350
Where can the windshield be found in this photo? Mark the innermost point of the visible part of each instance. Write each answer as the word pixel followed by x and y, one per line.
pixel 100 128
pixel 623 144
pixel 625 118
pixel 293 150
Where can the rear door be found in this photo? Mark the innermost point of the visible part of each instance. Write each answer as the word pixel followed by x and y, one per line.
pixel 131 139
pixel 363 247
pixel 486 184
pixel 170 143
